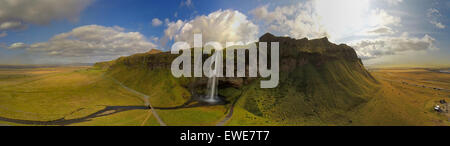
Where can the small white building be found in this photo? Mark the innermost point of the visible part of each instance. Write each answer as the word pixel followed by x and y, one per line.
pixel 437 108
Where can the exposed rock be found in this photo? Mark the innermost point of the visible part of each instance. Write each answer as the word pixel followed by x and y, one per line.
pixel 293 53
pixel 298 52
pixel 295 47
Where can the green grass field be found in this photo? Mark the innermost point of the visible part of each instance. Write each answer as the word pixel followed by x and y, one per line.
pixel 51 93
pixel 390 102
pixel 45 94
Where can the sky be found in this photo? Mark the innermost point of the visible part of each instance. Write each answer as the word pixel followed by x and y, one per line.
pixel 383 32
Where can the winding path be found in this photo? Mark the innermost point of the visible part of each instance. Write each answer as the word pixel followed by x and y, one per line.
pixel 423 86
pixel 106 111
pixel 416 85
pixel 230 112
pixel 227 117
pixel 146 100
pixel 109 110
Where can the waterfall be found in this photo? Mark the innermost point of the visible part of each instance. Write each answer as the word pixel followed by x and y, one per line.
pixel 212 89
pixel 212 96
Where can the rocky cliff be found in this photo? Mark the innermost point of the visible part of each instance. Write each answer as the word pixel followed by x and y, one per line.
pixel 319 80
pixel 299 52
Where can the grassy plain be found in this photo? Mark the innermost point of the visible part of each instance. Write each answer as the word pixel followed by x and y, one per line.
pixel 401 97
pixel 46 94
pixel 407 98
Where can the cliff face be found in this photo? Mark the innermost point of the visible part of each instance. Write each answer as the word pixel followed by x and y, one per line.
pixel 292 47
pixel 319 80
pixel 295 53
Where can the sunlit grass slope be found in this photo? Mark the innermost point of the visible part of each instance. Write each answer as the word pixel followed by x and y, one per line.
pixel 44 94
pixel 312 95
pixel 150 74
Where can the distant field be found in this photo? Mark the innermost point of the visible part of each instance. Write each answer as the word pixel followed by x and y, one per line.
pixel 51 93
pixel 409 95
pixel 403 97
pixel 44 94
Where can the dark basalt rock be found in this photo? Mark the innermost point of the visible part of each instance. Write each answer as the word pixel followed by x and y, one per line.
pixel 298 52
pixel 294 47
pixel 293 53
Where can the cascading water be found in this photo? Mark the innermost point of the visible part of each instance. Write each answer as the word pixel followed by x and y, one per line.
pixel 212 95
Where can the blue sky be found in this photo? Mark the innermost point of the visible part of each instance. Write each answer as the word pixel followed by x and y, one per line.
pixel 381 31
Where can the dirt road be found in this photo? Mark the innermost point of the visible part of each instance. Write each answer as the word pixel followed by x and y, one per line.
pixel 230 113
pixel 416 85
pixel 146 100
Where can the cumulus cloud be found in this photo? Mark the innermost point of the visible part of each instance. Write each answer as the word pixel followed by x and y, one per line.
pixel 393 2
pixel 187 3
pixel 156 22
pixel 434 15
pixel 12 25
pixel 381 30
pixel 18 45
pixel 382 18
pixel 432 12
pixel 91 41
pixel 322 18
pixel 298 21
pixel 437 24
pixel 221 26
pixel 15 14
pixel 381 23
pixel 373 48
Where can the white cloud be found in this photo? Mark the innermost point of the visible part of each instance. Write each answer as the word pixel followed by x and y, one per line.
pixel 12 25
pixel 374 48
pixel 187 3
pixel 381 22
pixel 434 15
pixel 319 18
pixel 220 26
pixel 437 24
pixel 18 45
pixel 91 41
pixel 156 22
pixel 432 12
pixel 342 18
pixel 380 30
pixel 16 14
pixel 297 20
pixel 393 2
pixel 381 18
pixel 3 34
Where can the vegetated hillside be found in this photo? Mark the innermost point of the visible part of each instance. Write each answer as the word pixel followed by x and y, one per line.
pixel 320 82
pixel 150 74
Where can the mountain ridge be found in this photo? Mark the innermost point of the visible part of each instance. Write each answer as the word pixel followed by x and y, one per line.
pixel 319 80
